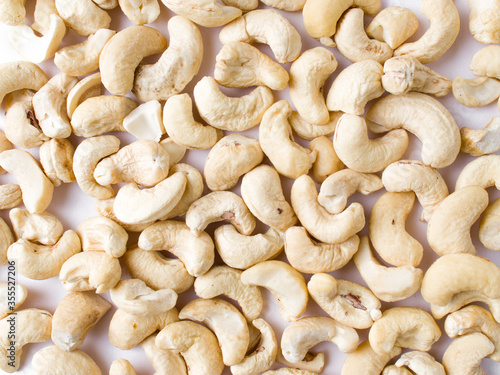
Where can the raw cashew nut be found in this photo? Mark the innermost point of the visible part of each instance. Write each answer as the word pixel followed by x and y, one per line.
pixel 226 280
pixel 177 65
pixel 240 251
pixel 439 37
pixel 413 175
pixel 43 362
pixel 163 361
pixel 43 227
pixel 10 196
pixel 287 5
pixel 489 233
pixel 145 122
pixel 484 17
pixel 387 230
pixel 483 171
pixel 285 283
pixel 395 370
pixel 12 12
pixel 43 10
pixel 265 26
pixel 230 113
pixel 307 76
pixel 240 64
pixel 121 367
pixel 56 157
pixel 6 239
pixel 420 363
pixel 102 234
pixel 449 227
pixel 244 5
pixel 366 361
pixel 7 306
pixel 462 299
pixel 477 142
pixel 83 16
pixel 75 316
pixel 207 13
pixel 387 283
pixel 423 116
pixel 313 362
pixel 309 256
pixel 105 209
pixel 476 92
pixel 88 87
pixel 484 62
pixel 464 354
pixel 310 131
pixel 327 161
pixel 348 303
pixel 353 42
pixel 140 12
pixel 393 25
pixel 19 75
pixel 287 370
pixel 322 225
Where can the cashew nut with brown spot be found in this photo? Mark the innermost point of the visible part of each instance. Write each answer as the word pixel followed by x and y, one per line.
pixel 18 75
pixel 484 19
pixel 477 142
pixel 102 234
pixel 393 25
pixel 489 227
pixel 207 13
pixel 464 354
pixel 310 131
pixel 41 227
pixel 83 16
pixel 483 171
pixel 43 362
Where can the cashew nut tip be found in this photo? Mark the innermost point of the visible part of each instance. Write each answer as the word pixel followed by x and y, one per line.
pixel 327 161
pixel 310 131
pixel 20 75
pixel 121 367
pixel 143 12
pixel 56 157
pixel 207 13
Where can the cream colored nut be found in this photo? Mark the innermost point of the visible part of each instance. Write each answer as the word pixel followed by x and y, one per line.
pixel 355 86
pixel 462 299
pixel 10 196
pixel 265 26
pixel 363 154
pixel 304 333
pixel 83 58
pixel 30 326
pixel 387 230
pixel 106 4
pixel 405 327
pixel 12 12
pixel 310 131
pixel 393 25
pixel 449 227
pixel 263 356
pixel 476 92
pixel 456 273
pixel 105 208
pixel 366 361
pixel 489 233
pixel 88 87
pixel 313 362
pixel 410 111
pixel 309 256
pixel 90 270
pixel 420 363
pixel 307 76
pixel 122 54
pixel 87 155
pixel 227 281
pixel 477 142
pixel 231 113
pixel 20 124
pixel 388 283
pixel 83 16
pixel 163 361
pixel 240 251
pixel 7 306
pixel 207 13
pixel 229 159
pixel 56 157
pixel 220 206
pixel 484 62
pixel 244 5
pixel 287 5
pixel 102 234
pixel 322 225
pixel 484 20
pixel 275 137
pixel 144 162
pixel 35 186
pixel 42 227
pixel 138 206
pixel 483 171
pixel 175 151
pixel 75 316
pixel 134 297
pixel 413 175
pixel 337 188
pixel 43 10
pixel 439 37
pixel 197 345
pixel 197 253
pixel 177 65
pixel 262 192
pixel 157 271
pixel 348 303
pixel 121 367
pixel 395 370
pixel 18 75
pixel 6 239
pixel 225 321
pixel 286 370
pixel 145 122
pixel 43 362
pixel 285 283
pixel 327 162
pixel 140 12
pixel 405 73
pixel 354 44
pixel 31 47
pixel 464 354
pixel 183 128
pixel 472 319
pixel 240 64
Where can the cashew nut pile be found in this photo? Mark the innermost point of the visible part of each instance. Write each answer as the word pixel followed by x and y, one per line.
pixel 215 187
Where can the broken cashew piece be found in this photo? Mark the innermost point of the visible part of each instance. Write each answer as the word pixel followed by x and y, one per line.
pixel 145 122
pixel 88 87
pixel 102 234
pixel 483 21
pixel 483 171
pixel 56 157
pixel 19 75
pixel 420 363
pixel 207 13
pixel 43 227
pixel 366 361
pixel 476 92
pixel 393 25
pixel 489 233
pixel 465 353
pixel 484 62
pixel 477 142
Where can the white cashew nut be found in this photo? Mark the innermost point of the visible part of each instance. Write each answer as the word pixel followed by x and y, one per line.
pixel 484 20
pixel 483 171
pixel 7 306
pixel 19 75
pixel 476 92
pixel 88 87
pixel 163 361
pixel 327 161
pixel 489 233
pixel 420 363
pixel 43 227
pixel 393 25
pixel 56 157
pixel 465 353
pixel 366 361
pixel 477 142
pixel 83 16
pixel 43 362
pixel 310 131
pixel 102 234
pixel 484 62
pixel 207 13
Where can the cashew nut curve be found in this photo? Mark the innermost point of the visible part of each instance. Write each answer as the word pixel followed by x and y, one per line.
pixel 420 363
pixel 43 227
pixel 483 171
pixel 484 17
pixel 10 196
pixel 327 161
pixel 476 92
pixel 56 157
pixel 163 361
pixel 18 75
pixel 366 361
pixel 310 131
pixel 88 87
pixel 484 62
pixel 465 353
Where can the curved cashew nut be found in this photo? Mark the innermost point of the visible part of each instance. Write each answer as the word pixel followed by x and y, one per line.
pixel 163 361
pixel 308 256
pixel 483 19
pixel 43 227
pixel 56 157
pixel 348 303
pixel 444 27
pixel 43 10
pixel 175 151
pixel 240 251
pixel 489 233
pixel 12 12
pixel 353 42
pixel 105 208
pixel 121 367
pixel 226 280
pixel 177 65
pixel 88 87
pixel 10 196
pixel 220 206
pixel 462 299
pixel 145 122
pixel 413 175
pixel 483 171
pixel 143 12
pixel 207 13
pixel 5 307
pixel 366 361
pixel 387 230
pixel 6 239
pixel 157 271
pixel 483 62
pixel 75 316
pixel 43 362
pixel 197 253
pixel 464 354
pixel 102 234
pixel 476 92
pixel 477 142
pixel 19 75
pixel 265 26
pixel 423 116
pixel 393 25
pixel 420 363
pixel 285 283
pixel 83 16
pixel 322 225
pixel 387 283
pixel 327 161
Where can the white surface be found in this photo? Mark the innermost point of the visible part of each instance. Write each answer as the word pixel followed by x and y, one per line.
pixel 71 206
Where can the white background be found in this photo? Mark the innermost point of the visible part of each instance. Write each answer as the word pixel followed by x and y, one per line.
pixel 72 206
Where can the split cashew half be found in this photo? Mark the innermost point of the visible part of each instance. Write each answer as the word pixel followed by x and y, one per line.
pixel 207 13
pixel 483 171
pixel 477 142
pixel 476 92
pixel 464 354
pixel 393 25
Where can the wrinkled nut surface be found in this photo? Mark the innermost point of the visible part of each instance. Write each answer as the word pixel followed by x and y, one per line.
pixel 489 233
pixel 10 196
pixel 43 227
pixel 465 353
pixel 56 157
pixel 103 234
pixel 207 13
pixel 393 25
pixel 83 16
pixel 477 142
pixel 142 12
pixel 20 75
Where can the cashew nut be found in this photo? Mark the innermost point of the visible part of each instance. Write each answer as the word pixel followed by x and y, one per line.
pixel 464 354
pixel 6 306
pixel 175 151
pixel 6 239
pixel 43 362
pixel 484 20
pixel 327 162
pixel 420 363
pixel 476 92
pixel 121 367
pixel 12 12
pixel 393 25
pixel 366 361
pixel 83 16
pixel 207 13
pixel 310 131
pixel 287 5
pixel 244 5
pixel 56 157
pixel 489 233
pixel 484 62
pixel 145 122
pixel 461 299
pixel 102 234
pixel 88 87
pixel 313 362
pixel 19 75
pixel 395 370
pixel 43 10
pixel 140 12
pixel 10 196
pixel 287 370
pixel 105 208
pixel 42 227
pixel 163 361
pixel 477 142
pixel 483 171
